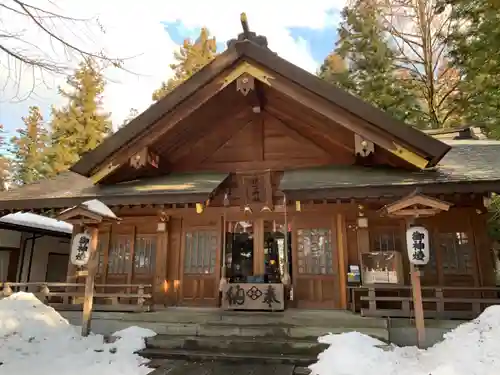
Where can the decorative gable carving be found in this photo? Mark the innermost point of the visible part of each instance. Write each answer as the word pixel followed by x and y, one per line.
pixel 416 205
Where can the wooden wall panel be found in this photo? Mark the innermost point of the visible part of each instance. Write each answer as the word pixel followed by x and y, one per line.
pixel 266 143
pixel 283 143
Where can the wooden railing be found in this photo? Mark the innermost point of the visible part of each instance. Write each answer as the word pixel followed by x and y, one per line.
pixel 69 296
pixel 439 302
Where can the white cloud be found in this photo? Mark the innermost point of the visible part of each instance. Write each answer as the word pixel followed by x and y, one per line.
pixel 133 28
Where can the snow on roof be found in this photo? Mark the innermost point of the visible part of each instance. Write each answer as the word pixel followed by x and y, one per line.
pixel 28 219
pixel 96 206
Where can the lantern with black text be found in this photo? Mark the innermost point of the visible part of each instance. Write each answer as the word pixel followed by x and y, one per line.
pixel 417 242
pixel 80 252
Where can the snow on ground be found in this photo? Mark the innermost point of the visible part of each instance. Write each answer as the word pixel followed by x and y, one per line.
pixel 35 339
pixel 472 348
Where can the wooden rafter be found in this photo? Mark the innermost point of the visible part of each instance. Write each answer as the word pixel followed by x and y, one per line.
pixel 82 214
pixel 416 205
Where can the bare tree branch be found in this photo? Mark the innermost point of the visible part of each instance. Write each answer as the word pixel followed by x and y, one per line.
pixel 22 54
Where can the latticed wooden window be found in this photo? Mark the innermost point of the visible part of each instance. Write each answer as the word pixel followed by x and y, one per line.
pixel 119 255
pixel 456 253
pixel 386 239
pixel 102 242
pixel 144 254
pixel 314 251
pixel 200 252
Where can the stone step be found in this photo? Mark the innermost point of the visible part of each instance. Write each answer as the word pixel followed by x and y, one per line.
pixel 331 319
pixel 234 357
pixel 260 330
pixel 178 367
pixel 240 344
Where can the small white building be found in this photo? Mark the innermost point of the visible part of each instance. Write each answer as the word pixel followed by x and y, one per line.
pixel 33 248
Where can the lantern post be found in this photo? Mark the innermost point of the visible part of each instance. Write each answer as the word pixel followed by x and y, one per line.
pixel 89 215
pixel 417 242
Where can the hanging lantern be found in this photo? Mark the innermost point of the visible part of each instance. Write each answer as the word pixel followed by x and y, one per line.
pixel 298 206
pixel 199 208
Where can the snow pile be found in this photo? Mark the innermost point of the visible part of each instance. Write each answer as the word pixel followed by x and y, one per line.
pixel 471 349
pixel 35 339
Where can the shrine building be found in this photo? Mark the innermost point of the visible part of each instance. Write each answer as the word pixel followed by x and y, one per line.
pixel 255 185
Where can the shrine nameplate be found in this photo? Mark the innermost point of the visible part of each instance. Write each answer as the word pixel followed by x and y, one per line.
pixel 247 296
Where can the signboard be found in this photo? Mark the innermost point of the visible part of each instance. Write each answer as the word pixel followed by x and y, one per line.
pixel 250 296
pixel 417 242
pixel 80 249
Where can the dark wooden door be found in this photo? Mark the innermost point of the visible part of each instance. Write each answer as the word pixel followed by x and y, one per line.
pixel 315 263
pixel 57 268
pixel 200 266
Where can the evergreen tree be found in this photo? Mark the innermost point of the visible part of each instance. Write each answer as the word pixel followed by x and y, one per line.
pixel 190 58
pixel 29 149
pixel 363 63
pixel 475 49
pixel 82 124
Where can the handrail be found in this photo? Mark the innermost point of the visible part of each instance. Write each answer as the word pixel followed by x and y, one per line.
pixel 75 284
pixel 439 300
pixel 45 294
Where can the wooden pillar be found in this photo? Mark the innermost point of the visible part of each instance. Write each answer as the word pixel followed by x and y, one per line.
pixel 258 246
pixel 161 277
pixel 342 258
pixel 89 282
pixel 418 305
pixel 130 271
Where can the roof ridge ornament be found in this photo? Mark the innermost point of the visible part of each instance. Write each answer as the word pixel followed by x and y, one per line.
pixel 251 36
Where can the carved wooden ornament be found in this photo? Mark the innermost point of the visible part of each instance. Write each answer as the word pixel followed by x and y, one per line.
pixel 363 147
pixel 245 83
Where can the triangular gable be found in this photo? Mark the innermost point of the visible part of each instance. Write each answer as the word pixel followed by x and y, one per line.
pixel 415 205
pixel 246 57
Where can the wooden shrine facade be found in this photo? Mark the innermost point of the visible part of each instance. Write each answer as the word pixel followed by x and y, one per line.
pixel 256 172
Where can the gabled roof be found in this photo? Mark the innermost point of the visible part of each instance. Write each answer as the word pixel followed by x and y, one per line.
pixel 429 148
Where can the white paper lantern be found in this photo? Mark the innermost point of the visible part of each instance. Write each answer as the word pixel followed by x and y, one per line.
pixel 80 249
pixel 417 242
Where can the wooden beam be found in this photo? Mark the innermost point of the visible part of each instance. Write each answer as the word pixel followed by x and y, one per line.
pixel 101 173
pixel 344 118
pixel 212 142
pixel 179 113
pixel 418 200
pixel 324 143
pixel 145 158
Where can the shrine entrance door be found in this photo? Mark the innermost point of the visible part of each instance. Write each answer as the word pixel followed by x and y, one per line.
pixel 315 266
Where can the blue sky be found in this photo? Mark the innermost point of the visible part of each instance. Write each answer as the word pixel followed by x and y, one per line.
pixel 319 42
